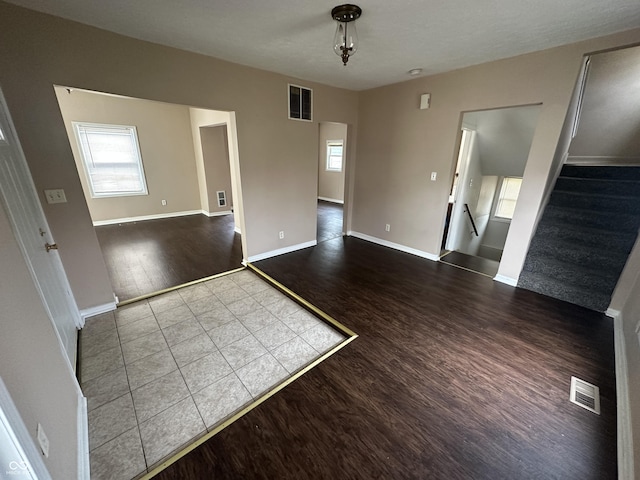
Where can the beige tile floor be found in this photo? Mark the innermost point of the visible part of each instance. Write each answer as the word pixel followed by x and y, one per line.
pixel 162 372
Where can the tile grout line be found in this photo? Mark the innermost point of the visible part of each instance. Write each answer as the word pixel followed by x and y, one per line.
pixel 206 427
pixel 231 419
pixel 255 400
pixel 126 372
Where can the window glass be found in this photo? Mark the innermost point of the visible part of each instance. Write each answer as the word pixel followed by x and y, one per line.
pixel 334 156
pixel 509 191
pixel 111 158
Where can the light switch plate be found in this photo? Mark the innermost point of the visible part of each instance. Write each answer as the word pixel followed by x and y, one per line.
pixel 55 196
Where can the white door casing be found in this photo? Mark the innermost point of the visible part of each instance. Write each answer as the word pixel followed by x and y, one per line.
pixel 459 223
pixel 19 198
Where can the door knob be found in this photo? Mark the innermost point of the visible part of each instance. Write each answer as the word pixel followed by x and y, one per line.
pixel 51 246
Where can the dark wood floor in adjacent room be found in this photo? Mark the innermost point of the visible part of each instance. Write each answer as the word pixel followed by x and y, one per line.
pixel 329 220
pixel 145 257
pixel 454 376
pixel 470 262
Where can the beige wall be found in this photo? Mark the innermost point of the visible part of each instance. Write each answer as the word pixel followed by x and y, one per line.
pixel 279 178
pixel 166 147
pixel 330 184
pixel 608 128
pixel 33 364
pixel 205 118
pixel 215 152
pixel 505 137
pixel 399 144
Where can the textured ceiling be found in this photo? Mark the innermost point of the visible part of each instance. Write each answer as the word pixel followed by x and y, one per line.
pixel 294 37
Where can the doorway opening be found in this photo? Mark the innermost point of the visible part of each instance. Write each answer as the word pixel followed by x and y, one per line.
pixel 493 152
pixel 161 182
pixel 331 180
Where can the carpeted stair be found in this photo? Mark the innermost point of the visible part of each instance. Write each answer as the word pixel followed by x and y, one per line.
pixel 585 235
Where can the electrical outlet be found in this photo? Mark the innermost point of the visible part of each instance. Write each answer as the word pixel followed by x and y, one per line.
pixel 434 176
pixel 281 235
pixel 387 228
pixel 55 196
pixel 43 440
pixel 164 203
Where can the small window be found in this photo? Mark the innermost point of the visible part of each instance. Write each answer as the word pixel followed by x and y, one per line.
pixel 334 155
pixel 112 160
pixel 300 103
pixel 507 198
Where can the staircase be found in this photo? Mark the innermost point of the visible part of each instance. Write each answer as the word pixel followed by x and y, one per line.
pixel 585 235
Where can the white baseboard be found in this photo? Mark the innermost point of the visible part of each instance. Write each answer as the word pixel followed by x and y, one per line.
pixel 602 160
pixel 332 200
pixel 395 246
pixel 141 218
pixel 84 468
pixel 97 310
pixel 217 214
pixel 282 251
pixel 625 433
pixel 613 313
pixel 506 280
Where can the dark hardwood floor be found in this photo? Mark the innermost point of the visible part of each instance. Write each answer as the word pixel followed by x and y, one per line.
pixel 453 376
pixel 471 262
pixel 145 257
pixel 329 220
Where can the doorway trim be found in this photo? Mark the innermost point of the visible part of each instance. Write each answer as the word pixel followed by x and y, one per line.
pixel 82 428
pixel 11 423
pixel 529 125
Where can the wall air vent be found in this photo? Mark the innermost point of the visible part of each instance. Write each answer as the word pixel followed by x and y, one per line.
pixel 300 103
pixel 585 394
pixel 222 198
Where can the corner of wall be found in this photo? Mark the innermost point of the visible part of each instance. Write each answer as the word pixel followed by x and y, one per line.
pixel 624 422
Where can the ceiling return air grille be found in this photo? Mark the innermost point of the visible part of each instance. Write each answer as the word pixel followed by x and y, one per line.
pixel 585 394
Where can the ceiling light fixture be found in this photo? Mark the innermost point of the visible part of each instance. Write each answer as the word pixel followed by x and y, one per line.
pixel 345 42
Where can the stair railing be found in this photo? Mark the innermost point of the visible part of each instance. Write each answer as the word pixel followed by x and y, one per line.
pixel 473 224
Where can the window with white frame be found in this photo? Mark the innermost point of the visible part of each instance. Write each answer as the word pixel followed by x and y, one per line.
pixel 335 155
pixel 112 160
pixel 507 198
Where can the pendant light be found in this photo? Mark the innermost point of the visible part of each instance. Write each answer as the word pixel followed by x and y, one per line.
pixel 345 41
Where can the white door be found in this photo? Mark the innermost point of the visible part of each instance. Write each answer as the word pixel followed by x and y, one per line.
pixel 20 200
pixel 459 228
